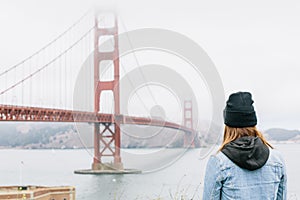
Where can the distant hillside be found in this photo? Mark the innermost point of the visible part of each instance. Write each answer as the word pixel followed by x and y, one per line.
pixel 135 136
pixel 45 136
pixel 37 135
pixel 61 135
pixel 278 134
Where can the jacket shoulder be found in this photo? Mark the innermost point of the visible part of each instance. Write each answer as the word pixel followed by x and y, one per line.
pixel 275 157
pixel 223 160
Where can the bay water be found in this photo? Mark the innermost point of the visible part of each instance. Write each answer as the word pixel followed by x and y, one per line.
pixel 167 173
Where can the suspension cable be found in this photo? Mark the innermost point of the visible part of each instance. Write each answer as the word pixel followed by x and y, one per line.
pixel 48 64
pixel 47 45
pixel 137 62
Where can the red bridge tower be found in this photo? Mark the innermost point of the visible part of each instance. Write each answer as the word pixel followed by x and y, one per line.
pixel 107 135
pixel 188 122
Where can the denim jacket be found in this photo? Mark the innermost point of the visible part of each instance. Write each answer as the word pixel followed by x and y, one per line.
pixel 225 180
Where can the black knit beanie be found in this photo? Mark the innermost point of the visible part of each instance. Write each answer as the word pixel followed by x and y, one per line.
pixel 239 111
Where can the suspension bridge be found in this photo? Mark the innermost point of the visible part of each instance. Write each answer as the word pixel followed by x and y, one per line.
pixel 39 88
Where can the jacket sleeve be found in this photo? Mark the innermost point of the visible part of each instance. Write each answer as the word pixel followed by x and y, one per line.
pixel 213 180
pixel 282 189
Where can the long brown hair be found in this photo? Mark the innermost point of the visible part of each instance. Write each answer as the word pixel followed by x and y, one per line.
pixel 232 133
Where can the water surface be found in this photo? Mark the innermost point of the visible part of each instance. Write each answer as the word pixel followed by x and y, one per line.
pixel 169 173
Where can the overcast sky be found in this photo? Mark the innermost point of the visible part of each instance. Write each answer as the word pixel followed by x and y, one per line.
pixel 255 45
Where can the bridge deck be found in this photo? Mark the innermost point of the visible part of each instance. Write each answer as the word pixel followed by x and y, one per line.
pixel 23 113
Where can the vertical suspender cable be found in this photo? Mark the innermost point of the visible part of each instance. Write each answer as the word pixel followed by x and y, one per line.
pixel 89 77
pixel 65 81
pixel 82 65
pixel 56 76
pixel 69 71
pixel 37 84
pixel 88 73
pixel 52 81
pixel 60 69
pixel 30 84
pixel 14 90
pixel 66 71
pixel 39 94
pixel 69 68
pixel 22 86
pixel 44 81
pixel 43 88
pixel 6 87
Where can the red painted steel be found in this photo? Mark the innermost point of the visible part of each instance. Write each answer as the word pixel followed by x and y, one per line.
pixel 22 113
pixel 188 122
pixel 154 122
pixel 112 131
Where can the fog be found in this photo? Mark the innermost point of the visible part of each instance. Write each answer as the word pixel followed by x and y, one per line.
pixel 254 45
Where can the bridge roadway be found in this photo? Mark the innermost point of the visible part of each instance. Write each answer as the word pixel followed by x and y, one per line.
pixel 23 113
